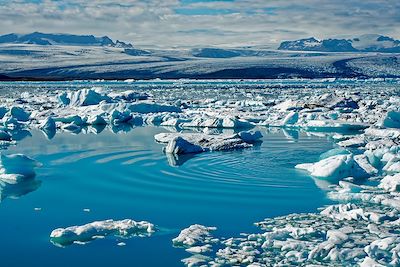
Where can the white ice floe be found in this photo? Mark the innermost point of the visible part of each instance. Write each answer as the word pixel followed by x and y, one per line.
pixel 84 233
pixel 391 183
pixel 335 168
pixel 183 143
pixel 194 235
pixel 334 126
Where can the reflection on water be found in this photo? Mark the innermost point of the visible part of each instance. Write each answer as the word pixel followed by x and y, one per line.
pixel 8 189
pixel 178 160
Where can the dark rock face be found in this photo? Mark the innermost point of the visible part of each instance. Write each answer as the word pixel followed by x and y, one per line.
pixel 39 38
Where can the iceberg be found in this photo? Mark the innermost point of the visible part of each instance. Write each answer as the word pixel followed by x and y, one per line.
pixel 392 119
pixel 19 114
pixel 124 228
pixel 181 143
pixel 48 126
pixel 85 97
pixel 335 168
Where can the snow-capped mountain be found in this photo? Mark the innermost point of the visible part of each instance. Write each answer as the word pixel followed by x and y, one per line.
pixel 39 38
pixel 312 44
pixel 376 43
pixel 364 43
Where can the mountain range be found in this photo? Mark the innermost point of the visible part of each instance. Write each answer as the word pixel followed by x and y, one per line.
pixel 39 38
pixel 364 43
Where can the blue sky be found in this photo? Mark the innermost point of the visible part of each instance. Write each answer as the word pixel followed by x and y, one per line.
pixel 185 23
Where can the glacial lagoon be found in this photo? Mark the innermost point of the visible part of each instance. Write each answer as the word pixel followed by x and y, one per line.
pixel 88 177
pixel 74 154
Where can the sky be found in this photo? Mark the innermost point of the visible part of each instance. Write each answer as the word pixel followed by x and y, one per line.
pixel 187 23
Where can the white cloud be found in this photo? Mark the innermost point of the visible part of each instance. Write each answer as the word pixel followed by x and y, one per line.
pixel 170 23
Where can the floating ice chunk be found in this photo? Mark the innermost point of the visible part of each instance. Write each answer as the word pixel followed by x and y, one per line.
pixel 178 145
pixel 199 249
pixel 17 167
pixel 128 95
pixel 342 102
pixel 235 123
pixel 353 142
pixel 336 237
pixel 75 119
pixel 84 233
pixel 250 136
pixel 151 107
pixel 86 97
pixel 392 165
pixel 291 118
pixel 194 235
pixel 5 136
pixel 391 120
pixel 363 162
pixel 72 127
pixel 368 262
pixel 63 99
pixel 391 183
pixel 173 122
pixel 335 168
pixel 96 120
pixel 334 152
pixel 381 248
pixel 288 105
pixel 196 260
pixel 383 133
pixel 118 117
pixel 344 212
pixel 19 114
pixel 333 126
pixel 48 126
pixel 201 142
pixel 230 123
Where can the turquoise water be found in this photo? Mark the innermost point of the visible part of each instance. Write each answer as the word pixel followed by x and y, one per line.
pixel 126 175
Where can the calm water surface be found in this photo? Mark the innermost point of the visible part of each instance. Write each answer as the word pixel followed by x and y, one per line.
pixel 126 175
